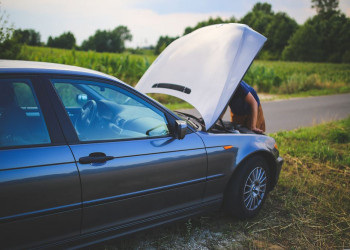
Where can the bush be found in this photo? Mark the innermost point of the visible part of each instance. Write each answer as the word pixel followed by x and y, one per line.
pixel 10 49
pixel 346 57
pixel 299 82
pixel 263 79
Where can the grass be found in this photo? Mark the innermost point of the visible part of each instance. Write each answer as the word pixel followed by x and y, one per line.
pixel 301 78
pixel 125 66
pixel 284 79
pixel 316 92
pixel 308 209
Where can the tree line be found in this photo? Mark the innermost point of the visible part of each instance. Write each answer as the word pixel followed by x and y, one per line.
pixel 101 41
pixel 323 37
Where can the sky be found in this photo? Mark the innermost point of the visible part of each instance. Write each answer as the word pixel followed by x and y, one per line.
pixel 146 19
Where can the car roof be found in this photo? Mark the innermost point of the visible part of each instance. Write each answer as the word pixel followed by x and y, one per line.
pixel 30 67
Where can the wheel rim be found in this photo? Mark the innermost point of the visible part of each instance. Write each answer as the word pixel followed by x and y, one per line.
pixel 255 188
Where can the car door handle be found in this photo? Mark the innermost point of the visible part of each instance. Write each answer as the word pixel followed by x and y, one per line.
pixel 96 157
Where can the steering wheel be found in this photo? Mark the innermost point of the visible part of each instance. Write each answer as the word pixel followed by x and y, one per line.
pixel 87 115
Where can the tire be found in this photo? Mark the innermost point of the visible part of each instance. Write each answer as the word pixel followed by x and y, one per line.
pixel 247 190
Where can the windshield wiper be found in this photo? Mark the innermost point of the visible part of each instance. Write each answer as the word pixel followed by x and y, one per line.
pixel 187 118
pixel 188 115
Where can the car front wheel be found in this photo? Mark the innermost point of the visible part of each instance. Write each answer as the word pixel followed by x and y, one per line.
pixel 248 188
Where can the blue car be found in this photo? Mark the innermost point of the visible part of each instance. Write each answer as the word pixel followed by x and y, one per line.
pixel 86 158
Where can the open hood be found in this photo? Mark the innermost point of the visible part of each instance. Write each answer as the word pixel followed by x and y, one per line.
pixel 204 67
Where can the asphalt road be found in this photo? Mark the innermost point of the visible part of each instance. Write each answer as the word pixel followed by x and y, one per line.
pixel 302 112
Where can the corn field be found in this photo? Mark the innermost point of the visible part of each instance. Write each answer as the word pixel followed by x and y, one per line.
pixel 275 77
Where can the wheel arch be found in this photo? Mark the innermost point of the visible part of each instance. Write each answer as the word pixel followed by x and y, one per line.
pixel 266 155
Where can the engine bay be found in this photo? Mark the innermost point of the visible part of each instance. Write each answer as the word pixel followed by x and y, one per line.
pixel 219 127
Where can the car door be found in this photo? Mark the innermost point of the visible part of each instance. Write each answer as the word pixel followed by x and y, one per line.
pixel 40 196
pixel 131 165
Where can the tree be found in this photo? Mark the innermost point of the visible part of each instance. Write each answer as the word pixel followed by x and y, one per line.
pixel 163 42
pixel 325 6
pixel 278 28
pixel 210 21
pixel 304 45
pixel 324 37
pixel 259 18
pixel 5 30
pixel 28 36
pixel 64 41
pixel 9 47
pixel 278 32
pixel 108 41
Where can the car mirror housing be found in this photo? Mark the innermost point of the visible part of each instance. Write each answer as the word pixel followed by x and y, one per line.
pixel 180 129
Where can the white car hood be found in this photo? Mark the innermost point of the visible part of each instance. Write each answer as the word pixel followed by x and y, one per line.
pixel 204 67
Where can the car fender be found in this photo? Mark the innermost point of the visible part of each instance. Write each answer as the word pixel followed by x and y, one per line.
pixel 226 152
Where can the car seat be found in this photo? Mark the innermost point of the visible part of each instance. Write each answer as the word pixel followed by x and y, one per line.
pixel 13 120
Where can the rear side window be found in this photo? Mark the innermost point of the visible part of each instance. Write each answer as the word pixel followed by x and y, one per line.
pixel 21 120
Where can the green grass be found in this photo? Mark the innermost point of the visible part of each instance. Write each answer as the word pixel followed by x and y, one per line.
pixel 306 78
pixel 125 66
pixel 285 79
pixel 179 105
pixel 308 209
pixel 316 92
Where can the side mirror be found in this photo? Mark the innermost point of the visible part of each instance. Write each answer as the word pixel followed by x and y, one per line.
pixel 180 129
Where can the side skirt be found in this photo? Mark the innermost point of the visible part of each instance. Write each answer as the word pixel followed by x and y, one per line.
pixel 136 226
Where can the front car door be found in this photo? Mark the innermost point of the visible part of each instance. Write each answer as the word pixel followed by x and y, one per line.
pixel 131 165
pixel 40 196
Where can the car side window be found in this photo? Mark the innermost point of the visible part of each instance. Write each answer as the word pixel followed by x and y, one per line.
pixel 70 95
pixel 108 112
pixel 21 119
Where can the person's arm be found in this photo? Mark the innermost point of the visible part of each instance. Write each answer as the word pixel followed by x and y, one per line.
pixel 254 112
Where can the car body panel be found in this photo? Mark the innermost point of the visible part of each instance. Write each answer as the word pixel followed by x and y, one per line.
pixel 38 189
pixel 204 67
pixel 140 168
pixel 225 162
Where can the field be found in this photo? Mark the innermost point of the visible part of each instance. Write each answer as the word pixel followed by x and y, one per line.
pixel 275 77
pixel 308 209
pixel 126 67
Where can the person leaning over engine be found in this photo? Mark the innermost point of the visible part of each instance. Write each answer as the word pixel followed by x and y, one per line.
pixel 246 109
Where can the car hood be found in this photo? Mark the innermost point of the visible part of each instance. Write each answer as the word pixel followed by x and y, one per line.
pixel 204 67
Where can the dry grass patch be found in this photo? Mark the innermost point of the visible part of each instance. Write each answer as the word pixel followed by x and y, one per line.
pixel 308 209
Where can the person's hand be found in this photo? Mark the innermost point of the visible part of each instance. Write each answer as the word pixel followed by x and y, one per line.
pixel 256 130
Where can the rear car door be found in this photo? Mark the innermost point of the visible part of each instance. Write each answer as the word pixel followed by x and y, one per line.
pixel 40 195
pixel 131 165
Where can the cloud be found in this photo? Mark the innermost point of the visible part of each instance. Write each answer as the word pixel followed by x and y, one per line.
pixel 150 25
pixel 83 18
pixel 145 21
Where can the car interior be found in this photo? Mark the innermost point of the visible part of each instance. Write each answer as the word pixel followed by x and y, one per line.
pixel 21 122
pixel 101 113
